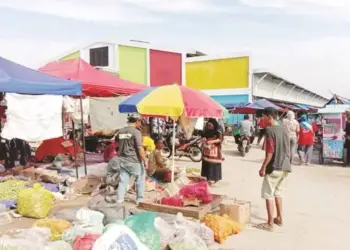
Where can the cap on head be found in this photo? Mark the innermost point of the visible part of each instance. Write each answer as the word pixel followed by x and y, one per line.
pixel 133 117
pixel 271 112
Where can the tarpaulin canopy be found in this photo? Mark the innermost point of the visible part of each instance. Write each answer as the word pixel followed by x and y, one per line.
pixel 338 100
pixel 96 83
pixel 263 103
pixel 15 78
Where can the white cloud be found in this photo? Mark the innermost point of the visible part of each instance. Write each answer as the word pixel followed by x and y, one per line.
pixel 87 10
pixel 179 6
pixel 337 9
pixel 33 53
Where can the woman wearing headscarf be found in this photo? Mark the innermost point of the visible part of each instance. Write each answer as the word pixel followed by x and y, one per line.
pixel 292 126
pixel 306 141
pixel 212 155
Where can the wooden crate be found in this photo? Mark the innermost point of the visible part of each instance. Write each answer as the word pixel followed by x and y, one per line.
pixel 194 212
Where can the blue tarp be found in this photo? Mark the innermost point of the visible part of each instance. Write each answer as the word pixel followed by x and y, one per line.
pixel 303 106
pixel 338 100
pixel 262 104
pixel 15 78
pixel 234 105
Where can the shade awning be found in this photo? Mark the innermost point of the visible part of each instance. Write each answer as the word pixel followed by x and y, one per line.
pixel 96 83
pixel 15 78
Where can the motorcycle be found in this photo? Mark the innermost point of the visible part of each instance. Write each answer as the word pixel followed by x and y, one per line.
pixel 190 148
pixel 244 145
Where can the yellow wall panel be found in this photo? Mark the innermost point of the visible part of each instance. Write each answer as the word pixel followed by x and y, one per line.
pixel 73 55
pixel 228 73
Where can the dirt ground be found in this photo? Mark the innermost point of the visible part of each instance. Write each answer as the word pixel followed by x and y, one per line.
pixel 316 205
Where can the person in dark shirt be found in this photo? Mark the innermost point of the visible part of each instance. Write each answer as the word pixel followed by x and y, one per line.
pixel 132 158
pixel 275 168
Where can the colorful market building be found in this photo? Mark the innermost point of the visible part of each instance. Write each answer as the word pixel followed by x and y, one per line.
pixel 230 80
pixel 138 62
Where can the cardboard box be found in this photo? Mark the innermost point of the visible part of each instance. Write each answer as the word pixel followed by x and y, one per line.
pixel 239 211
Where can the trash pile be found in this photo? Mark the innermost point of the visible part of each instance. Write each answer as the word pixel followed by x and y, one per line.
pixel 86 229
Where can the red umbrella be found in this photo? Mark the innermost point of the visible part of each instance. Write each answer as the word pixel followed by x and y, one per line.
pixel 95 82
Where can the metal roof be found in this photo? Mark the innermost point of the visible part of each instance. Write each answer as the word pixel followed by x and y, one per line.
pixel 264 71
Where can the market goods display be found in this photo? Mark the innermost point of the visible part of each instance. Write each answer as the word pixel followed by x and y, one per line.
pixel 142 224
pixel 187 240
pixel 175 201
pixel 222 226
pixel 58 245
pixel 199 191
pixel 9 189
pixel 56 226
pixel 85 242
pixel 35 202
pixel 167 232
pixel 121 237
pixel 200 229
pixel 192 170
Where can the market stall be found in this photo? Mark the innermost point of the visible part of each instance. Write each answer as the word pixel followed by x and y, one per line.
pixel 104 90
pixel 37 90
pixel 333 123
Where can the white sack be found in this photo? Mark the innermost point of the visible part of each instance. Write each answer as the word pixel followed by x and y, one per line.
pixel 33 117
pixel 104 113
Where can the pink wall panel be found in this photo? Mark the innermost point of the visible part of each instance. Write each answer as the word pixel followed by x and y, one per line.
pixel 165 68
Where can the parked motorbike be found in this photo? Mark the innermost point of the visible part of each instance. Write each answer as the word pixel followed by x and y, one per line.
pixel 244 145
pixel 190 148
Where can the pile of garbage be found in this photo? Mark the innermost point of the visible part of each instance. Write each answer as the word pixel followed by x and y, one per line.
pixel 86 229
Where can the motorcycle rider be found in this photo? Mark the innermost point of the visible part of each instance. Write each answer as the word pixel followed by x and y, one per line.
pixel 246 128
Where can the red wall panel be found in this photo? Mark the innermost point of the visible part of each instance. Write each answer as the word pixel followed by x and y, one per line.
pixel 165 68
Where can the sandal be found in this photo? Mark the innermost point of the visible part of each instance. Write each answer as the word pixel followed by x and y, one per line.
pixel 278 222
pixel 264 226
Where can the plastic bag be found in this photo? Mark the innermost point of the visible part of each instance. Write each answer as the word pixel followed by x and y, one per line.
pixel 80 230
pixel 56 226
pixel 187 240
pixel 167 232
pixel 110 226
pixel 69 214
pixel 90 217
pixel 37 234
pixel 35 237
pixel 35 202
pixel 7 243
pixel 111 211
pixel 222 226
pixel 85 242
pixel 175 201
pixel 58 245
pixel 198 190
pixel 121 238
pixel 143 225
pixel 204 232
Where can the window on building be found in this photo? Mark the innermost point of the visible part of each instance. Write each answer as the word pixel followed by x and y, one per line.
pixel 99 57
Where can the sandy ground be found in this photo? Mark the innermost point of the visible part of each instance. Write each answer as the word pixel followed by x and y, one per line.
pixel 316 206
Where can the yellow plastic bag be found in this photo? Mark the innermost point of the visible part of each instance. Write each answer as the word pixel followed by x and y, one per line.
pixel 56 226
pixel 35 202
pixel 222 226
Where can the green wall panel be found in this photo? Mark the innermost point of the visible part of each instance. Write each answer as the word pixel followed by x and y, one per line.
pixel 74 55
pixel 132 64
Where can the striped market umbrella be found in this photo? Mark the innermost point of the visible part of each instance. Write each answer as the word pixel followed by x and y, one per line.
pixel 173 101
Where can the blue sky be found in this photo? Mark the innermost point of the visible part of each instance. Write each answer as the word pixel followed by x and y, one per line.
pixel 305 41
